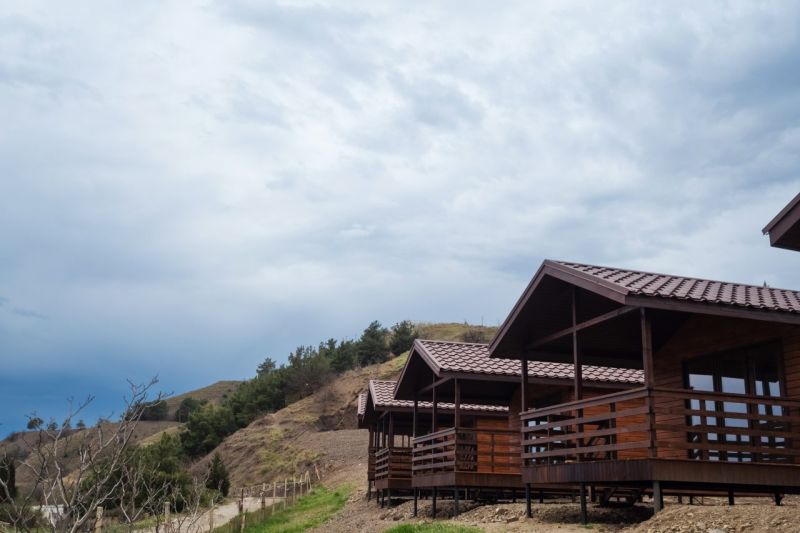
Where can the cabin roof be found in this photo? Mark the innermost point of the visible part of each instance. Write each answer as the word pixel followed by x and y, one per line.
pixel 784 229
pixel 544 308
pixel 382 393
pixel 463 357
pixel 633 282
pixel 362 404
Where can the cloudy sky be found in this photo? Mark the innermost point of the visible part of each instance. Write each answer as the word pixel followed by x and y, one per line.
pixel 188 187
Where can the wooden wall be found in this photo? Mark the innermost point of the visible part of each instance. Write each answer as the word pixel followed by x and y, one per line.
pixel 705 335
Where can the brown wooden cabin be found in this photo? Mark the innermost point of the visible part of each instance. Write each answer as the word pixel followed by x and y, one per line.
pixel 390 422
pixel 784 229
pixel 720 405
pixel 473 451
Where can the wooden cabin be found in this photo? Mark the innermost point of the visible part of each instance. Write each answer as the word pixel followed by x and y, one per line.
pixel 784 229
pixel 719 408
pixel 390 424
pixel 473 451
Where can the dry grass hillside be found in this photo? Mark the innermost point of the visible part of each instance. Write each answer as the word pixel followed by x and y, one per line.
pixel 321 428
pixel 214 393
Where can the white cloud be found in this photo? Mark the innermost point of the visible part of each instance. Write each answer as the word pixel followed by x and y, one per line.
pixel 181 181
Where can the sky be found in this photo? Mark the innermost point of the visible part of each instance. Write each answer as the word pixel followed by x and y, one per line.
pixel 189 187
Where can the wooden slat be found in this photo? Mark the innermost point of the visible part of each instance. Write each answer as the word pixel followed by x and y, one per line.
pixel 587 419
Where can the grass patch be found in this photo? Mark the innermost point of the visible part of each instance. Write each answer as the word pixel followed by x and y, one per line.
pixel 311 510
pixel 432 528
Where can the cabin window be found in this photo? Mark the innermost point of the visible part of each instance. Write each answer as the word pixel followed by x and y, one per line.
pixel 751 371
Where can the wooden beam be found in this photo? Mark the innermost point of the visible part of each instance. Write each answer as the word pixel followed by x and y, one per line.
pixel 416 410
pixel 435 383
pixel 583 325
pixel 434 410
pixel 578 369
pixel 524 386
pixel 457 404
pixel 647 365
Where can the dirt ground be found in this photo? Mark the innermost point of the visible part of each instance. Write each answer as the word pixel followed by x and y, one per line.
pixel 709 515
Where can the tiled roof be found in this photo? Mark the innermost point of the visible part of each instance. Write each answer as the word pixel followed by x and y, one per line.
pixel 682 288
pixel 383 398
pixel 474 358
pixel 362 404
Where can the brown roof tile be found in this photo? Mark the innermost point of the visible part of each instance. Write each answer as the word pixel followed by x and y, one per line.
pixel 382 392
pixel 362 404
pixel 474 358
pixel 692 289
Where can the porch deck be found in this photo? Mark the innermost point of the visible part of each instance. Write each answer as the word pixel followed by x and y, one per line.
pixel 393 468
pixel 462 457
pixel 677 437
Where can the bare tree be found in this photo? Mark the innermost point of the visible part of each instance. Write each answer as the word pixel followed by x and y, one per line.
pixel 74 472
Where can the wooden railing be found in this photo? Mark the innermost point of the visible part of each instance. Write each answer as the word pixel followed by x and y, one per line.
pixel 467 450
pixel 664 423
pixel 371 463
pixel 393 463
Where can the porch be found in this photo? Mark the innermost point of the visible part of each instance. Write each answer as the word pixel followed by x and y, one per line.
pixel 666 438
pixel 393 468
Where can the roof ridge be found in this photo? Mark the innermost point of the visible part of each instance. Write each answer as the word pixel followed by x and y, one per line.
pixel 455 342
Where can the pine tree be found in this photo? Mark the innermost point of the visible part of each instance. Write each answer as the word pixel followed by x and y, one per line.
pixel 403 335
pixel 218 478
pixel 372 346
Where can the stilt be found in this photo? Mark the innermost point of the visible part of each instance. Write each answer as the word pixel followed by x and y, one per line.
pixel 416 495
pixel 691 500
pixel 513 495
pixel 383 499
pixel 658 498
pixel 388 497
pixel 680 499
pixel 455 501
pixel 541 496
pixel 592 494
pixel 528 511
pixel 584 514
pixel 778 498
pixel 433 504
pixel 730 497
pixel 369 490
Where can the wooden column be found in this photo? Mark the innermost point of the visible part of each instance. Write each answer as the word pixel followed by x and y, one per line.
pixel 434 410
pixel 414 419
pixel 457 410
pixel 575 355
pixel 391 430
pixel 524 386
pixel 649 379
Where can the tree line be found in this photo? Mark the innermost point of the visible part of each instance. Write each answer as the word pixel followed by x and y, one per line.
pixel 307 369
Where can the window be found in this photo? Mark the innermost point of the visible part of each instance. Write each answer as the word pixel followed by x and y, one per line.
pixel 753 371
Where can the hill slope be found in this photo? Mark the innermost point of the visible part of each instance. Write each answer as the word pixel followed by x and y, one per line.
pixel 321 428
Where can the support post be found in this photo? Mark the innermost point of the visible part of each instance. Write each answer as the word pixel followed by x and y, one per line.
pixel 457 409
pixel 391 431
pixel 274 491
pixel 455 501
pixel 433 503
pixel 389 497
pixel 263 496
pixel 414 420
pixel 731 498
pixel 647 365
pixel 528 510
pixel 584 513
pixel 98 522
pixel 658 497
pixel 416 496
pixel 778 498
pixel 434 409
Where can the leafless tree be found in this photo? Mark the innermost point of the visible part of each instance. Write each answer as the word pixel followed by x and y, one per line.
pixel 73 472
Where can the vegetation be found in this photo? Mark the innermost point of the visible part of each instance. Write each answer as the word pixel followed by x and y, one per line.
pixel 308 368
pixel 187 407
pixel 8 485
pixel 218 478
pixel 432 528
pixel 311 510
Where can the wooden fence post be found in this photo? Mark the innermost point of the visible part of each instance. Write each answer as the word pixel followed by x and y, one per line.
pixel 285 492
pixel 294 490
pixel 166 517
pixel 317 471
pixel 274 487
pixel 263 496
pixel 98 524
pixel 211 518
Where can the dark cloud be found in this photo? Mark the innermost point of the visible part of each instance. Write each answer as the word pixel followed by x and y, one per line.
pixel 187 189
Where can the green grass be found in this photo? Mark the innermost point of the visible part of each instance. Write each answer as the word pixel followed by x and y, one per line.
pixel 432 528
pixel 311 510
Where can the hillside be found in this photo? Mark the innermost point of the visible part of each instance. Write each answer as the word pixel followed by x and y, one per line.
pixel 213 393
pixel 321 428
